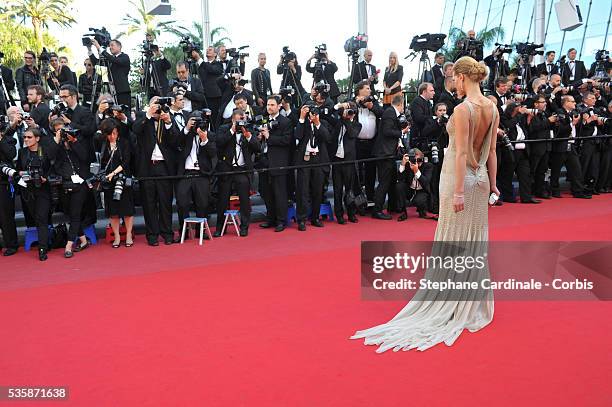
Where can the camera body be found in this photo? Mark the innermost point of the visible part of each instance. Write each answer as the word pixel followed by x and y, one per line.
pixel 287 55
pixel 527 49
pixel 322 87
pixel 427 42
pixel 60 109
pixel 4 123
pixel 188 46
pixel 101 35
pixel 164 104
pixel 356 43
pixel 286 93
pixel 69 131
pixel 403 121
pixel 202 121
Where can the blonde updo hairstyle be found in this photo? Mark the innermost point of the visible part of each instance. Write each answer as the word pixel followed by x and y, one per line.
pixel 468 66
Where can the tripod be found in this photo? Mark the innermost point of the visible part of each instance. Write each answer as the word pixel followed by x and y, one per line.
pixel 150 75
pixel 97 78
pixel 354 57
pixel 298 86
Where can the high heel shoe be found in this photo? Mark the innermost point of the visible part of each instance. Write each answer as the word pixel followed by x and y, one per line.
pixel 42 254
pixel 116 245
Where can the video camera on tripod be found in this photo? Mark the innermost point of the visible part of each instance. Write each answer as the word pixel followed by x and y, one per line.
pixel 427 42
pixel 529 49
pixel 503 48
pixel 287 55
pixel 102 36
pixel 235 53
pixel 353 45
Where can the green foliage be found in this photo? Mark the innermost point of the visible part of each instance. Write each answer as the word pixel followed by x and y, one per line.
pixel 488 37
pixel 196 34
pixel 15 39
pixel 143 23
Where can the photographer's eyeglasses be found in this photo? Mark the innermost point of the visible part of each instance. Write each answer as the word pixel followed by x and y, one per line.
pixel 26 137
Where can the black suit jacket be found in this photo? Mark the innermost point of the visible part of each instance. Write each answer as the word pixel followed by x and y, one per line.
pixel 389 133
pixel 320 138
pixel 349 140
pixel 161 67
pixel 280 146
pixel 120 69
pixel 539 129
pixel 226 149
pixel 438 75
pixel 421 111
pixel 40 115
pixel 361 73
pixel 564 130
pixel 207 154
pixel 541 69
pixel 8 151
pixel 449 100
pixel 329 70
pixel 210 74
pixel 146 138
pixel 426 170
pixel 580 72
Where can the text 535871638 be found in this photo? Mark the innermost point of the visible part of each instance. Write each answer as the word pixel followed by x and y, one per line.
pixel 33 393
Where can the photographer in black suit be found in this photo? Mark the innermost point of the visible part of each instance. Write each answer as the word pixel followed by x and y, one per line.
pixel 344 148
pixel 156 136
pixel 421 110
pixel 325 72
pixel 386 144
pixel 277 143
pixel 548 67
pixel 365 71
pixel 197 158
pixel 158 69
pixel 590 150
pixel 313 136
pixel 210 73
pixel 573 70
pixel 437 70
pixel 8 152
pixel 498 66
pixel 447 95
pixel 414 183
pixel 565 152
pixel 191 88
pixel 77 116
pixel 435 132
pixel 119 65
pixel 39 110
pixel 235 148
pixel 541 127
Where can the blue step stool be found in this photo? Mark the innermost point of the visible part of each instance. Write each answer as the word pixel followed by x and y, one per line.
pixel 291 215
pixel 31 236
pixel 90 233
pixel 326 209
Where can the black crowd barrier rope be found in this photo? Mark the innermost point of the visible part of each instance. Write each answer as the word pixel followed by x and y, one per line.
pixel 334 163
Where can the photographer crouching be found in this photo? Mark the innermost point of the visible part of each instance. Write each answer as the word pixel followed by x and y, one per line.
pixel 34 166
pixel 414 183
pixel 116 179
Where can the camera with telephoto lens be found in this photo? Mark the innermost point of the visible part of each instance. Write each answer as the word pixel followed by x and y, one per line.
pixel 403 121
pixel 60 109
pixel 164 104
pixel 102 36
pixel 201 120
pixel 287 55
pixel 263 122
pixel 236 53
pixel 442 120
pixel 69 131
pixel 7 170
pixel 427 42
pixel 356 43
pixel 435 152
pixel 503 48
pixel 322 87
pixel 286 93
pixel 97 176
pixel 505 140
pixel 119 184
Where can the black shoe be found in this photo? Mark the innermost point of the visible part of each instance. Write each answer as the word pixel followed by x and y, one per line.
pixel 543 196
pixel 595 192
pixel 353 219
pixel 244 232
pixel 151 243
pixel 317 223
pixel 265 225
pixel 499 203
pixel 80 247
pixel 556 194
pixel 68 254
pixel 302 226
pixel 9 252
pixel 582 196
pixel 340 220
pixel 422 214
pixel 510 200
pixel 402 217
pixel 382 216
pixel 217 233
pixel 42 254
pixel 531 201
pixel 279 228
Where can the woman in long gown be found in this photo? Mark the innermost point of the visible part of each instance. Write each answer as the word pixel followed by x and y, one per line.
pixel 467 178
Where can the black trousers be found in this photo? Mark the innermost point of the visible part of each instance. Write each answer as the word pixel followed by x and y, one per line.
pixel 410 197
pixel 435 185
pixel 38 201
pixel 309 189
pixel 522 168
pixel 538 164
pixel 590 154
pixel 367 170
pixel 241 183
pixel 157 203
pixel 196 190
pixel 7 217
pixel 386 175
pixel 605 166
pixel 343 177
pixel 505 171
pixel 213 105
pixel 274 193
pixel 73 203
pixel 574 172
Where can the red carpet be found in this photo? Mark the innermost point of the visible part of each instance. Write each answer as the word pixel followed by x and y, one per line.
pixel 265 321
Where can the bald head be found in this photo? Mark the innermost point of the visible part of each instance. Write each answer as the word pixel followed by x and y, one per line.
pixel 367 56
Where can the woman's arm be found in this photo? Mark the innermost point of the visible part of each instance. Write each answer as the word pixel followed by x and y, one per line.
pixel 462 129
pixel 492 161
